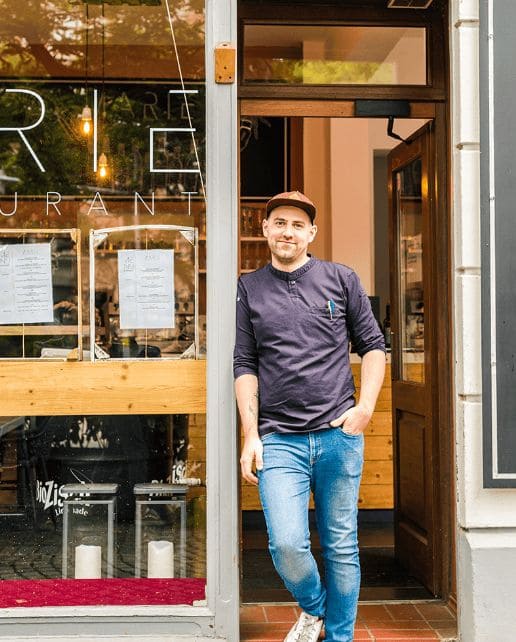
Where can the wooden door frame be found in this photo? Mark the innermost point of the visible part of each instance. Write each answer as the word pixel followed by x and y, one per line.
pixel 443 365
pixel 367 13
pixel 411 396
pixel 440 295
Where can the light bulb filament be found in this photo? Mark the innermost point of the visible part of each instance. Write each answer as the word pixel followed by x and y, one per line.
pixel 103 166
pixel 86 120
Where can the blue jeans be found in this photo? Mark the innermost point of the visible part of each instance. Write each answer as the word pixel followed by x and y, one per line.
pixel 328 462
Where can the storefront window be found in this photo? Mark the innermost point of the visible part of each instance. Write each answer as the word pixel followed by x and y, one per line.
pixel 334 55
pixel 102 259
pixel 137 511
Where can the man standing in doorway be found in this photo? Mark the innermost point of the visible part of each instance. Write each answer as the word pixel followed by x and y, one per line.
pixel 302 428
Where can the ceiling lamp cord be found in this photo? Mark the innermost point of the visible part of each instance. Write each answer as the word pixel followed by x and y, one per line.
pixel 86 111
pixel 103 161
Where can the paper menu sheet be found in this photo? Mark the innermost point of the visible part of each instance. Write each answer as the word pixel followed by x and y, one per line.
pixel 146 289
pixel 26 283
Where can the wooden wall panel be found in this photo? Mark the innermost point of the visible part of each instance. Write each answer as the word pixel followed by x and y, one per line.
pixel 8 471
pixel 196 457
pixel 112 388
pixel 379 496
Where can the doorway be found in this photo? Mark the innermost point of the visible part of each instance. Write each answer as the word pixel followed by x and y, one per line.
pixel 331 76
pixel 350 167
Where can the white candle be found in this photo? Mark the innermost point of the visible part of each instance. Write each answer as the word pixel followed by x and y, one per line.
pixel 160 559
pixel 88 562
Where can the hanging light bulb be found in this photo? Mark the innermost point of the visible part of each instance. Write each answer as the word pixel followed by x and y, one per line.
pixel 85 125
pixel 103 166
pixel 86 121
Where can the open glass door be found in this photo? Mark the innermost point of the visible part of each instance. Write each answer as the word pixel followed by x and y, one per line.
pixel 411 202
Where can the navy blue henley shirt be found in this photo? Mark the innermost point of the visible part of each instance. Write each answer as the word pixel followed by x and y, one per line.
pixel 293 332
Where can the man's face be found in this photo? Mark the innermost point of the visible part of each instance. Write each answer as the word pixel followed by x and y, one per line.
pixel 288 231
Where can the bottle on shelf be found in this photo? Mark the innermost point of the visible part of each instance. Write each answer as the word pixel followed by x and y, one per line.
pixel 246 257
pixel 202 224
pixel 247 222
pixel 258 218
pixel 387 326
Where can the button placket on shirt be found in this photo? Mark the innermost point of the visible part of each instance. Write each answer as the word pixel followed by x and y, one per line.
pixel 292 288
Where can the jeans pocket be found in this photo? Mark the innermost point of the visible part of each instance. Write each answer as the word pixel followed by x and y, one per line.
pixel 348 434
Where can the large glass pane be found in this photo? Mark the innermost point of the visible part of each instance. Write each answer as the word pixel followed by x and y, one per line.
pixel 328 55
pixel 102 137
pixel 88 39
pixel 79 493
pixel 409 206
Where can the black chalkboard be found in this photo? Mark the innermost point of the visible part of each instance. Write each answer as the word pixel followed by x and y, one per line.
pixel 498 230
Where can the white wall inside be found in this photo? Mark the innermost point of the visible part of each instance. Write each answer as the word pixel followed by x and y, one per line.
pixel 338 176
pixel 317 179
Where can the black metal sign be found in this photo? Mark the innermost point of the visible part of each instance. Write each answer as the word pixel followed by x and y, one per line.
pixel 498 234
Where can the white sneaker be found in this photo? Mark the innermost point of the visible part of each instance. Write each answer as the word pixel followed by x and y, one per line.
pixel 306 629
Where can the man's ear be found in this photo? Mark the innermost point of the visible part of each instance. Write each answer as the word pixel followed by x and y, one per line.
pixel 313 233
pixel 265 226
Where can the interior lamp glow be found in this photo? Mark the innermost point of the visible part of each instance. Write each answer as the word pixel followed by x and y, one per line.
pixel 103 166
pixel 86 120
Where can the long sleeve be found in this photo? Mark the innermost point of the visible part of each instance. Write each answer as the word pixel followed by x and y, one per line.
pixel 245 356
pixel 364 330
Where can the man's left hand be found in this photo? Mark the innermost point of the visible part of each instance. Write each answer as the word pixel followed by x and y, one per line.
pixel 354 421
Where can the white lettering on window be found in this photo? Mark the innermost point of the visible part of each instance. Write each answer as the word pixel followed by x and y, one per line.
pixel 20 130
pixel 139 197
pixel 174 92
pixel 101 205
pixel 54 202
pixel 6 214
pixel 169 170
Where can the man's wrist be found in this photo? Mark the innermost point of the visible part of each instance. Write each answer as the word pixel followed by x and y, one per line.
pixel 250 431
pixel 366 408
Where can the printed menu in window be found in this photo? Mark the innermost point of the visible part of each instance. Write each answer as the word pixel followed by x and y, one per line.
pixel 146 289
pixel 26 283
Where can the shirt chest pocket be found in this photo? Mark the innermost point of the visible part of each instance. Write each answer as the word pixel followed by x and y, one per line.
pixel 324 312
pixel 323 327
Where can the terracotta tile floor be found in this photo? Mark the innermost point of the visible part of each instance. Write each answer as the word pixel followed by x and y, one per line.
pixel 390 622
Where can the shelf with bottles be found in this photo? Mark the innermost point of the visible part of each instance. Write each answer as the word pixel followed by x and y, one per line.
pixel 253 256
pixel 254 252
pixel 252 213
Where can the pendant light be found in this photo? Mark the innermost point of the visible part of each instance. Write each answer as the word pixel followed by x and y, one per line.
pixel 86 120
pixel 103 167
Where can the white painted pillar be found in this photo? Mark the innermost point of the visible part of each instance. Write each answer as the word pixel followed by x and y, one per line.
pixel 486 518
pixel 222 148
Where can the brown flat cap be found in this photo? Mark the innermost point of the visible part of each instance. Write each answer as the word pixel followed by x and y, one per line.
pixel 295 199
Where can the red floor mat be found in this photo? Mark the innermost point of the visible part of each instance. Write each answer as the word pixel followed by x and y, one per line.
pixel 112 592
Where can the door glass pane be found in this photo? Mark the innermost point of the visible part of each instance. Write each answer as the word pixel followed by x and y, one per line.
pixel 411 294
pixel 324 55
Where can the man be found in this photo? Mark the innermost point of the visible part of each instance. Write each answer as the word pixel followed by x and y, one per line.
pixel 302 428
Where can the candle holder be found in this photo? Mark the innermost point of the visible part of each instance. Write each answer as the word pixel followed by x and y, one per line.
pixel 160 530
pixel 89 521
